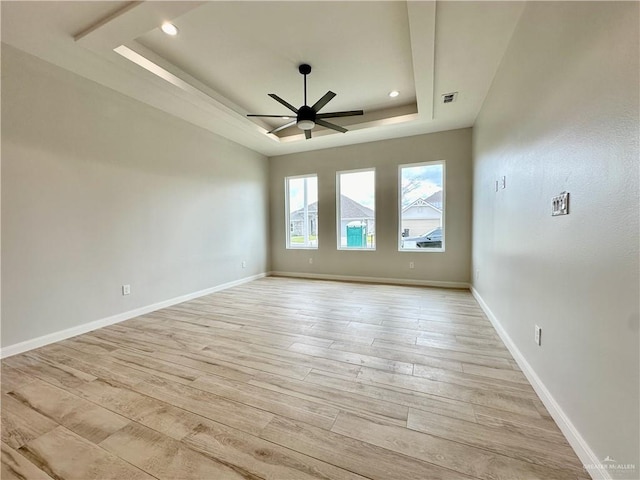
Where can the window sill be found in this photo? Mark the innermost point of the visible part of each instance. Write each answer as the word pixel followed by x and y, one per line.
pixel 421 250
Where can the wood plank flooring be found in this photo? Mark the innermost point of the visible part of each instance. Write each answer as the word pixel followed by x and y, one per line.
pixel 283 379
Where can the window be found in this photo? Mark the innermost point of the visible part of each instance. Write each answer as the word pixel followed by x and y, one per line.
pixel 356 210
pixel 301 195
pixel 422 207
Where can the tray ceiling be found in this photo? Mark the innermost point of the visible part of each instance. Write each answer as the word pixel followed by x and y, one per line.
pixel 228 56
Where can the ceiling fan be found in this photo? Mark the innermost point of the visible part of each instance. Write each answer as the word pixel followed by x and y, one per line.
pixel 308 117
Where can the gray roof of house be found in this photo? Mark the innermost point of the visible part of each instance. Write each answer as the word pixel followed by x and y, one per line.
pixel 351 209
pixel 348 208
pixel 313 208
pixel 435 199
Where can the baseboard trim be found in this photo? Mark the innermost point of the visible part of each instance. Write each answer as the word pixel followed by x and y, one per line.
pixel 577 442
pixel 390 281
pixel 120 317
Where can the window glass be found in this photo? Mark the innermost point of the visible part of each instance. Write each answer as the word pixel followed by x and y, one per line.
pixel 356 210
pixel 422 207
pixel 302 211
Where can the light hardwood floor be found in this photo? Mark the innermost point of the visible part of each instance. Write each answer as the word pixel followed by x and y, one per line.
pixel 283 379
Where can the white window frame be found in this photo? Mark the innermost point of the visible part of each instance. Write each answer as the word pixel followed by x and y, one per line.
pixel 339 218
pixel 287 223
pixel 444 208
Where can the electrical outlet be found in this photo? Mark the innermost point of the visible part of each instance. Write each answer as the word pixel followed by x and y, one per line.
pixel 310 260
pixel 538 336
pixel 244 264
pixel 126 289
pixel 560 204
pixel 477 273
pixel 411 265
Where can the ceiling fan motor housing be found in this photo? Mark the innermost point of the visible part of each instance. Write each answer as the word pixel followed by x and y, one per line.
pixel 306 119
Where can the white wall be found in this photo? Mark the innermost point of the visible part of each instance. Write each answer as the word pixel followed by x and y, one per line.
pixel 562 114
pixel 386 261
pixel 99 190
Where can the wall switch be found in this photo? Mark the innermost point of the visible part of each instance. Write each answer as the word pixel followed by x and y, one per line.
pixel 560 204
pixel 126 289
pixel 411 265
pixel 503 182
pixel 244 264
pixel 310 260
pixel 477 273
pixel 538 336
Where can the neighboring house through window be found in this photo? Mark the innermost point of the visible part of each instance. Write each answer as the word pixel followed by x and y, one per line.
pixel 422 207
pixel 422 215
pixel 356 218
pixel 301 195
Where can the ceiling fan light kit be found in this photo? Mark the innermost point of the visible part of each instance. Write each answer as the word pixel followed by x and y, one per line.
pixel 308 117
pixel 306 124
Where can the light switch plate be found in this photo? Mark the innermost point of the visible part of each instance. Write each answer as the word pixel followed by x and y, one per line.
pixel 560 204
pixel 538 336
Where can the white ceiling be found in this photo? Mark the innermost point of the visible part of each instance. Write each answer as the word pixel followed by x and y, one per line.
pixel 229 55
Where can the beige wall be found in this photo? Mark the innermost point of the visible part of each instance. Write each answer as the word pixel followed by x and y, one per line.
pixel 562 114
pixel 99 190
pixel 385 262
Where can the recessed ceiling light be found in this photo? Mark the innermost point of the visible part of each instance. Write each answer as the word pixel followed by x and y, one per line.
pixel 394 94
pixel 169 29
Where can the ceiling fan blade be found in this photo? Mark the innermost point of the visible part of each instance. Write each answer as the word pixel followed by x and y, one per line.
pixel 307 134
pixel 332 126
pixel 282 127
pixel 323 101
pixel 283 102
pixel 284 117
pixel 340 114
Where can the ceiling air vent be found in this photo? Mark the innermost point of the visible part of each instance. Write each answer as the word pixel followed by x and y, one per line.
pixel 449 97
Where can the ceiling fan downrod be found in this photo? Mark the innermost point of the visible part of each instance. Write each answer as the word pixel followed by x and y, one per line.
pixel 305 70
pixel 306 119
